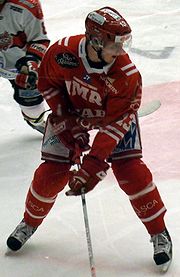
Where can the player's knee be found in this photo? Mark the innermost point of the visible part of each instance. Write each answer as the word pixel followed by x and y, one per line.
pixel 50 178
pixel 27 97
pixel 132 175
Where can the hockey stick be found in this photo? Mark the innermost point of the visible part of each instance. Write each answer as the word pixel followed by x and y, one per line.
pixel 88 236
pixel 8 74
pixel 87 229
pixel 149 108
pixel 146 109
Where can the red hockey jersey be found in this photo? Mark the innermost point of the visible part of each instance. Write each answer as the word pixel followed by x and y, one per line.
pixel 112 93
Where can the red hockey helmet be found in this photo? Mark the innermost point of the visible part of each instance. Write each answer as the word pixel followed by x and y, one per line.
pixel 106 24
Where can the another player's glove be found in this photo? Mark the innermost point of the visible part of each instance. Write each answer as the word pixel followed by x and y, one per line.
pixel 27 67
pixel 69 133
pixel 88 176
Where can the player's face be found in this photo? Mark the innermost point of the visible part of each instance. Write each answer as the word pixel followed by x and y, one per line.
pixel 111 51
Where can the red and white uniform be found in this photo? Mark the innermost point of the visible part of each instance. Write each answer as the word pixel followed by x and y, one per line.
pixel 22 31
pixel 112 93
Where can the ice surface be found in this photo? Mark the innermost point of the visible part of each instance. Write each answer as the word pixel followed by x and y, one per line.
pixel 120 243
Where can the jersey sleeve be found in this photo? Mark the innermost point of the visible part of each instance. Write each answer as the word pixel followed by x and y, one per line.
pixel 51 82
pixel 120 113
pixel 34 28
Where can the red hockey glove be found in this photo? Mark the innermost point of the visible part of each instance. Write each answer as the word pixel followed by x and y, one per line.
pixel 81 138
pixel 88 176
pixel 28 72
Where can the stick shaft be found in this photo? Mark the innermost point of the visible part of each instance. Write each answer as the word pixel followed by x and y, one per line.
pixel 7 74
pixel 88 236
pixel 87 229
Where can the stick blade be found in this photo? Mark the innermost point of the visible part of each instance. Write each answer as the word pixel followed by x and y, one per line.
pixel 149 108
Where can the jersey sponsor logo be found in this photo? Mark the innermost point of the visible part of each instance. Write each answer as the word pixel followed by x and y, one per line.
pixel 50 141
pixel 108 82
pixel 16 9
pixel 142 210
pixel 88 93
pixel 90 113
pixel 67 60
pixel 38 47
pixel 35 207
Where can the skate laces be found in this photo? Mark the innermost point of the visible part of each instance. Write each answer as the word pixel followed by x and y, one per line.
pixel 23 231
pixel 161 243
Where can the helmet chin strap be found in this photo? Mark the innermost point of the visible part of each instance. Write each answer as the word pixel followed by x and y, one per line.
pixel 99 52
pixel 95 64
pixel 96 48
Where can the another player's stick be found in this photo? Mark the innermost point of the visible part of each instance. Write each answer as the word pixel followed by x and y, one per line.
pixel 146 109
pixel 8 74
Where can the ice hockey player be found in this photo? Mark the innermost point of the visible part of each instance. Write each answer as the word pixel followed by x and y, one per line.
pixel 91 83
pixel 23 42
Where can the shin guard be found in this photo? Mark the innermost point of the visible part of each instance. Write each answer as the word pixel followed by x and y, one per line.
pixel 49 179
pixel 135 180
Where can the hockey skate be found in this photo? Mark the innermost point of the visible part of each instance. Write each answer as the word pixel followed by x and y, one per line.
pixel 37 123
pixel 40 126
pixel 162 250
pixel 20 235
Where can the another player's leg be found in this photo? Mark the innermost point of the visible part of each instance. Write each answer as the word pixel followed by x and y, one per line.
pixel 135 180
pixel 32 106
pixel 49 179
pixel 34 116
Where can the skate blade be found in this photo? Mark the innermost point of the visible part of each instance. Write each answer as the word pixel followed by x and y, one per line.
pixel 8 252
pixel 164 267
